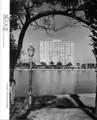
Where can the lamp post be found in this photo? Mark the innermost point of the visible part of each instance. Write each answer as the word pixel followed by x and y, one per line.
pixel 31 51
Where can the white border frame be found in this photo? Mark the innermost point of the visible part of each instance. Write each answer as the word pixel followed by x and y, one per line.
pixel 4 95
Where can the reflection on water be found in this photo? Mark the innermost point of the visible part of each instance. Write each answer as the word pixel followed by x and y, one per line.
pixel 56 82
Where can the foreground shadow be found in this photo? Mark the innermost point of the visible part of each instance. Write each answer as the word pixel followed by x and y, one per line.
pixel 52 101
pixel 87 109
pixel 41 102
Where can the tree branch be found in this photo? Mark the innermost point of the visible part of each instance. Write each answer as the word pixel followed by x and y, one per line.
pixel 20 20
pixel 47 26
pixel 63 13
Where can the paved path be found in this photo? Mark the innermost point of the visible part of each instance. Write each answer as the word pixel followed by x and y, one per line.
pixel 49 108
pixel 58 114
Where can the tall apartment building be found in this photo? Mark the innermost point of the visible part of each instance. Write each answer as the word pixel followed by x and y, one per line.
pixel 56 50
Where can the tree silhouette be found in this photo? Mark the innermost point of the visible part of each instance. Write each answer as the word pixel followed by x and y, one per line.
pixel 51 63
pixel 69 65
pixel 33 12
pixel 44 64
pixel 91 15
pixel 59 64
pixel 13 52
pixel 78 65
pixel 94 44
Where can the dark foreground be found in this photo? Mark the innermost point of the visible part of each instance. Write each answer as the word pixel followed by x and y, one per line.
pixel 51 108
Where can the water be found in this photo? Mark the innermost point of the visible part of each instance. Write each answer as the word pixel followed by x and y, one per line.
pixel 49 82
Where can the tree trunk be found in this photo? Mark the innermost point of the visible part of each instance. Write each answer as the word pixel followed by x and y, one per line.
pixel 96 91
pixel 21 37
pixel 12 84
pixel 11 73
pixel 20 43
pixel 12 67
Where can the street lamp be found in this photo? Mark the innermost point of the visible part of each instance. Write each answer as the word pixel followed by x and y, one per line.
pixel 31 51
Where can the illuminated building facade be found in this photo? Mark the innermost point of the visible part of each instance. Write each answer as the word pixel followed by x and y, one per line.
pixel 56 50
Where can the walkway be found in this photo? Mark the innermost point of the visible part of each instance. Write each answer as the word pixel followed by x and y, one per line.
pixel 50 108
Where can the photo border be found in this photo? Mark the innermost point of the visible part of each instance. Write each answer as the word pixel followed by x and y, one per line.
pixel 4 107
